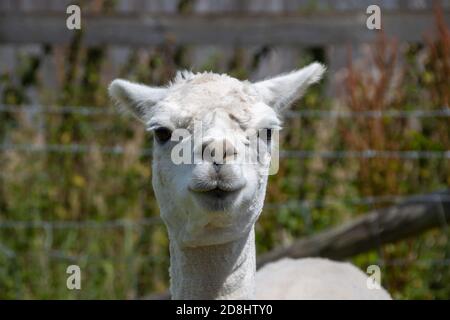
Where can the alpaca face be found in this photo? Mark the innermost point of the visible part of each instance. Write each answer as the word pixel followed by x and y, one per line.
pixel 213 137
pixel 215 195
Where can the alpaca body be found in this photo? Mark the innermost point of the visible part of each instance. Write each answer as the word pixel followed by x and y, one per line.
pixel 313 279
pixel 210 206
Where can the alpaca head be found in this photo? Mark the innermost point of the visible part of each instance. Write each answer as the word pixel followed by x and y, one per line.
pixel 212 147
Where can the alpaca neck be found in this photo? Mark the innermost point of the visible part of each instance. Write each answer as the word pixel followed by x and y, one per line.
pixel 225 271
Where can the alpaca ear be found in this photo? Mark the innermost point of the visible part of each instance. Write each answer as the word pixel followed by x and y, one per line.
pixel 281 91
pixel 136 98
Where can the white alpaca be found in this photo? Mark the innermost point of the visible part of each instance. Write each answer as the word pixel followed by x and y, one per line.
pixel 210 207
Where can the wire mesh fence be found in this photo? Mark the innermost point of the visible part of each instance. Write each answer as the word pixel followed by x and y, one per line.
pixel 63 174
pixel 87 260
pixel 50 226
pixel 301 208
pixel 298 154
pixel 91 110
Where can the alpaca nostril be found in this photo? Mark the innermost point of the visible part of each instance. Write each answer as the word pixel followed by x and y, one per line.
pixel 230 150
pixel 217 151
pixel 204 148
pixel 209 151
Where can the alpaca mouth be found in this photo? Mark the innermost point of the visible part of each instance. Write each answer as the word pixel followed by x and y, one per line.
pixel 218 193
pixel 216 199
pixel 216 187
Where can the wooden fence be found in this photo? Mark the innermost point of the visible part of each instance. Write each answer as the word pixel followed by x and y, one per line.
pixel 142 30
pixel 212 27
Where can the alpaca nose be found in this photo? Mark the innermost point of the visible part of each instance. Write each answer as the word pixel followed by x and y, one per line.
pixel 218 151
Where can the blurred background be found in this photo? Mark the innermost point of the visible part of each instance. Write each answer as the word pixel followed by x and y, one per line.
pixel 75 174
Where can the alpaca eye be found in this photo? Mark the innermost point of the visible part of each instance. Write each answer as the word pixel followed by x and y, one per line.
pixel 163 135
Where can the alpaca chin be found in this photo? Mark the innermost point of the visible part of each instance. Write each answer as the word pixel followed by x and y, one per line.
pixel 212 236
pixel 208 228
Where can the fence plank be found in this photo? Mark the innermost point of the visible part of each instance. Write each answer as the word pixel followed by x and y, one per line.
pixel 143 30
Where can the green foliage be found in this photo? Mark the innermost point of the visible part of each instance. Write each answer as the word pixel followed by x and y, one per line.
pixel 131 260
